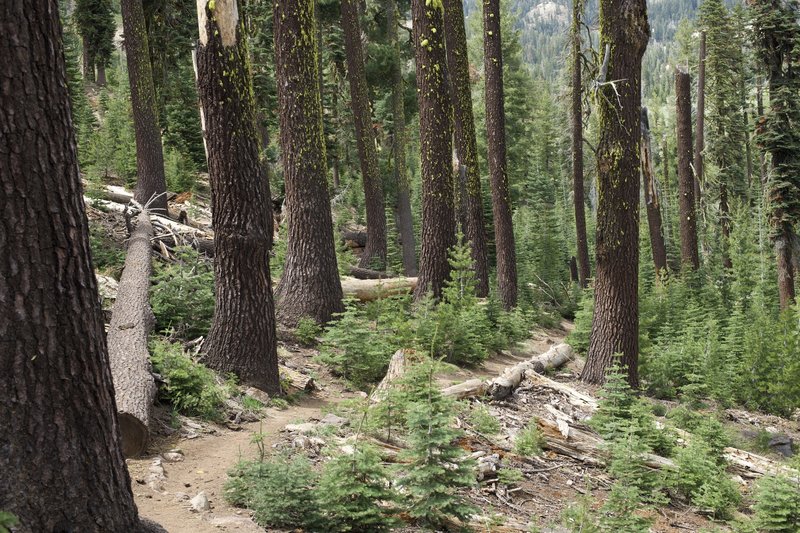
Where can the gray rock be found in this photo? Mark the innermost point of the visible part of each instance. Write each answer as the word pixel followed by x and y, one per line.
pixel 305 427
pixel 200 502
pixel 332 420
pixel 172 456
pixel 259 395
pixel 782 444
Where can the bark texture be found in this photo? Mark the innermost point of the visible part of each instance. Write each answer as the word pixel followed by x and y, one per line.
pixel 132 321
pixel 438 213
pixel 151 182
pixel 310 284
pixel 374 255
pixel 496 139
pixel 699 139
pixel 469 201
pixel 242 338
pixel 686 199
pixel 60 458
pixel 582 244
pixel 624 33
pixel 651 200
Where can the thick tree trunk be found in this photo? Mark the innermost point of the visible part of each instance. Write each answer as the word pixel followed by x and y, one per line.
pixel 101 74
pixel 667 197
pixel 374 255
pixel 438 213
pixel 615 325
pixel 762 160
pixel 470 201
pixel 725 224
pixel 61 463
pixel 88 60
pixel 582 244
pixel 652 204
pixel 310 284
pixel 699 139
pixel 686 199
pixel 151 182
pixel 496 139
pixel 242 338
pixel 783 254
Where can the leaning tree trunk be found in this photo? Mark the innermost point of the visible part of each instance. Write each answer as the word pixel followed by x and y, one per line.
pixel 699 139
pixel 577 148
pixel 151 182
pixel 615 326
pixel 438 213
pixel 405 221
pixel 686 199
pixel 61 463
pixel 131 323
pixel 470 200
pixel 310 284
pixel 651 200
pixel 374 255
pixel 242 338
pixel 496 139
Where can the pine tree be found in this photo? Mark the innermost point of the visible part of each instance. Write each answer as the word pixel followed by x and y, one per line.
pixel 576 97
pixel 95 22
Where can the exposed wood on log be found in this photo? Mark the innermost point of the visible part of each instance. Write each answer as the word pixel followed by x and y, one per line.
pixel 296 380
pixel 132 321
pixel 354 239
pixel 367 273
pixel 368 290
pixel 397 366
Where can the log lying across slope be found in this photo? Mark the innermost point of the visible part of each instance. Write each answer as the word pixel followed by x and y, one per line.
pixel 368 290
pixel 131 322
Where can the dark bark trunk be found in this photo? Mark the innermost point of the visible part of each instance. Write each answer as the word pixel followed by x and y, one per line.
pixel 496 140
pixel 667 197
pixel 686 181
pixel 88 61
pixel 699 139
pixel 60 458
pixel 405 221
pixel 651 200
pixel 470 201
pixel 101 74
pixel 762 160
pixel 582 244
pixel 310 284
pixel 624 31
pixel 725 224
pixel 438 213
pixel 374 255
pixel 783 254
pixel 151 182
pixel 242 338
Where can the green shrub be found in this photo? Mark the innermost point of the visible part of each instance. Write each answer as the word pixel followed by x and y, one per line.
pixel 108 256
pixel 180 171
pixel 479 417
pixel 529 441
pixel 777 504
pixel 619 511
pixel 7 521
pixel 190 387
pixel 702 478
pixel 307 331
pixel 579 336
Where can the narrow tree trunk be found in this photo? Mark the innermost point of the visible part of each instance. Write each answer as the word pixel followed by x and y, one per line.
pixel 438 213
pixel 471 201
pixel 624 33
pixel 686 200
pixel 242 338
pixel 667 196
pixel 582 244
pixel 762 160
pixel 725 224
pixel 61 463
pixel 699 139
pixel 310 284
pixel 496 140
pixel 405 221
pixel 651 200
pixel 88 61
pixel 101 74
pixel 151 182
pixel 374 255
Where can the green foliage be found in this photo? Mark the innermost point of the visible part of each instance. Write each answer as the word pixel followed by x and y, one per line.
pixel 180 171
pixel 190 387
pixel 579 516
pixel 529 441
pixel 108 256
pixel 307 331
pixel 619 512
pixel 777 504
pixel 95 22
pixel 7 521
pixel 701 477
pixel 479 417
pixel 579 336
pixel 509 476
pixel 182 294
pixel 111 151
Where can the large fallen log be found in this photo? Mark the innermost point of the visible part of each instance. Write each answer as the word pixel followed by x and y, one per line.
pixel 368 273
pixel 368 290
pixel 354 239
pixel 132 321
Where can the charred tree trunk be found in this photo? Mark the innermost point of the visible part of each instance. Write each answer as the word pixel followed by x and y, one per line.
pixel 405 222
pixel 686 190
pixel 438 213
pixel 242 338
pixel 470 201
pixel 615 326
pixel 699 139
pixel 310 284
pixel 374 255
pixel 582 244
pixel 651 200
pixel 61 463
pixel 131 323
pixel 151 183
pixel 496 140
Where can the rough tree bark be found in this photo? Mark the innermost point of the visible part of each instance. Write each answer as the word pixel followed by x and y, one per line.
pixel 686 199
pixel 624 33
pixel 374 255
pixel 699 139
pixel 60 458
pixel 405 221
pixel 310 284
pixel 242 338
pixel 88 60
pixel 582 244
pixel 496 139
pixel 151 182
pixel 470 201
pixel 651 200
pixel 132 321
pixel 438 212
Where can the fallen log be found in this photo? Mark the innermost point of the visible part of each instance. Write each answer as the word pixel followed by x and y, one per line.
pixel 367 273
pixel 297 381
pixel 354 239
pixel 368 290
pixel 132 321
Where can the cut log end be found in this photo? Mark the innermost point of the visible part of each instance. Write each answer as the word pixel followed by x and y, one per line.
pixel 134 435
